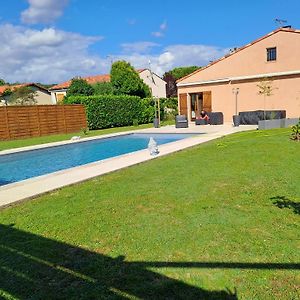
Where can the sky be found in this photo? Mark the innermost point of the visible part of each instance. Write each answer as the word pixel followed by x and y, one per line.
pixel 50 41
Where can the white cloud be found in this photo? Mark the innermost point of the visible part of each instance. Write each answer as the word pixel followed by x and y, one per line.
pixel 47 55
pixel 52 56
pixel 163 26
pixel 161 33
pixel 43 11
pixel 176 56
pixel 158 34
pixel 138 47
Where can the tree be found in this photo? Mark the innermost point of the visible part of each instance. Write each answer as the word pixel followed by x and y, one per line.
pixel 180 72
pixel 265 88
pixel 103 88
pixel 125 80
pixel 171 88
pixel 2 82
pixel 24 95
pixel 6 96
pixel 171 76
pixel 80 87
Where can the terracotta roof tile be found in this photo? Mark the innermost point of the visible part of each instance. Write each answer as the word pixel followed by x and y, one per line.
pixel 89 79
pixel 12 87
pixel 17 86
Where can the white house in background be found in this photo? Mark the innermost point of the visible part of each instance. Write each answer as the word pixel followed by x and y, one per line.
pixel 42 95
pixel 155 83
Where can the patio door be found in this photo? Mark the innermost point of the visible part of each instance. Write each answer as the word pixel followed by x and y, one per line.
pixel 196 105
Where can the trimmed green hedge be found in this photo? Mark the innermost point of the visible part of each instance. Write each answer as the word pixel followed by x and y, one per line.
pixel 104 111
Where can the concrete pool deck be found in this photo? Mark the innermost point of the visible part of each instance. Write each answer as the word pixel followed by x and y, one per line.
pixel 33 187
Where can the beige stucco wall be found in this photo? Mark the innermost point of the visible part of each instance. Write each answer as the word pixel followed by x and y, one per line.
pixel 253 60
pixel 286 96
pixel 43 98
pixel 159 88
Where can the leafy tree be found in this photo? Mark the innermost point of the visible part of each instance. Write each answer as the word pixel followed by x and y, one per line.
pixel 171 88
pixel 180 72
pixel 6 96
pixel 2 82
pixel 24 95
pixel 171 76
pixel 266 89
pixel 80 87
pixel 103 88
pixel 125 80
pixel 46 86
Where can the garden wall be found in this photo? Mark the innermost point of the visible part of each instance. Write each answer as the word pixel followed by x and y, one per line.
pixel 37 120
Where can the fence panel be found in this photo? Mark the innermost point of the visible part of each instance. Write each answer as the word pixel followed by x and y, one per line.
pixel 37 120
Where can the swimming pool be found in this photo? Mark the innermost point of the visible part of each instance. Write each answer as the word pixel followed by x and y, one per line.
pixel 27 164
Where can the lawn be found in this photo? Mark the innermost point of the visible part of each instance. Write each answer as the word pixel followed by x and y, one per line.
pixel 4 145
pixel 217 221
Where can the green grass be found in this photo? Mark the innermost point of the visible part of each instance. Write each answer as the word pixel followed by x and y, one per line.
pixel 4 145
pixel 199 224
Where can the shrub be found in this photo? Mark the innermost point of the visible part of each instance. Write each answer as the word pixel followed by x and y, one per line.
pixel 80 87
pixel 104 111
pixel 103 88
pixel 24 95
pixel 168 108
pixel 148 111
pixel 296 132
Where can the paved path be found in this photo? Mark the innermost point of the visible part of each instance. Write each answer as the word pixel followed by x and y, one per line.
pixel 31 188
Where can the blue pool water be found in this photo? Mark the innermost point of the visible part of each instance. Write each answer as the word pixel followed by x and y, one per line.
pixel 19 166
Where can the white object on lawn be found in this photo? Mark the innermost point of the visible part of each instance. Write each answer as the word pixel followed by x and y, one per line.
pixel 152 147
pixel 75 138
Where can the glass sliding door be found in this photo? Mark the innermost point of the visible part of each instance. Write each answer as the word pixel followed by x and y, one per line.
pixel 196 105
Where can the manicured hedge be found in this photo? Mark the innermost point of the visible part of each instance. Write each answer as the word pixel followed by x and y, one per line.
pixel 104 111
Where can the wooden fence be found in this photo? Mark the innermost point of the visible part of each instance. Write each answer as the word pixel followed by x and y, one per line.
pixel 37 120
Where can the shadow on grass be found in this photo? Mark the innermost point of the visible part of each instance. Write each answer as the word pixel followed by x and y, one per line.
pixel 35 267
pixel 284 202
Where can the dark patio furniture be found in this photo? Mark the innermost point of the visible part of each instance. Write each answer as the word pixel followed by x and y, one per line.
pixel 181 121
pixel 201 122
pixel 216 118
pixel 253 117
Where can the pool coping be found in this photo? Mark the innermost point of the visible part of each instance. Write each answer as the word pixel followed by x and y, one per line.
pixel 33 187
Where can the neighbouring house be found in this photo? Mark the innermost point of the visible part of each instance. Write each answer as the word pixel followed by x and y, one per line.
pixel 42 95
pixel 155 83
pixel 273 57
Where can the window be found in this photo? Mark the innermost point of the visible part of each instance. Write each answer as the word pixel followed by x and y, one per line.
pixel 271 54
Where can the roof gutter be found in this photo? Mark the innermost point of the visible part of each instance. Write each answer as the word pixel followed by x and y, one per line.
pixel 239 78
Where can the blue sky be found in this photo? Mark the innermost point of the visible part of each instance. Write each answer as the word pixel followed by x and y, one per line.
pixel 54 40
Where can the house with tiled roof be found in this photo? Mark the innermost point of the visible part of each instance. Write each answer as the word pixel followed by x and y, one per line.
pixel 42 95
pixel 230 84
pixel 155 83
